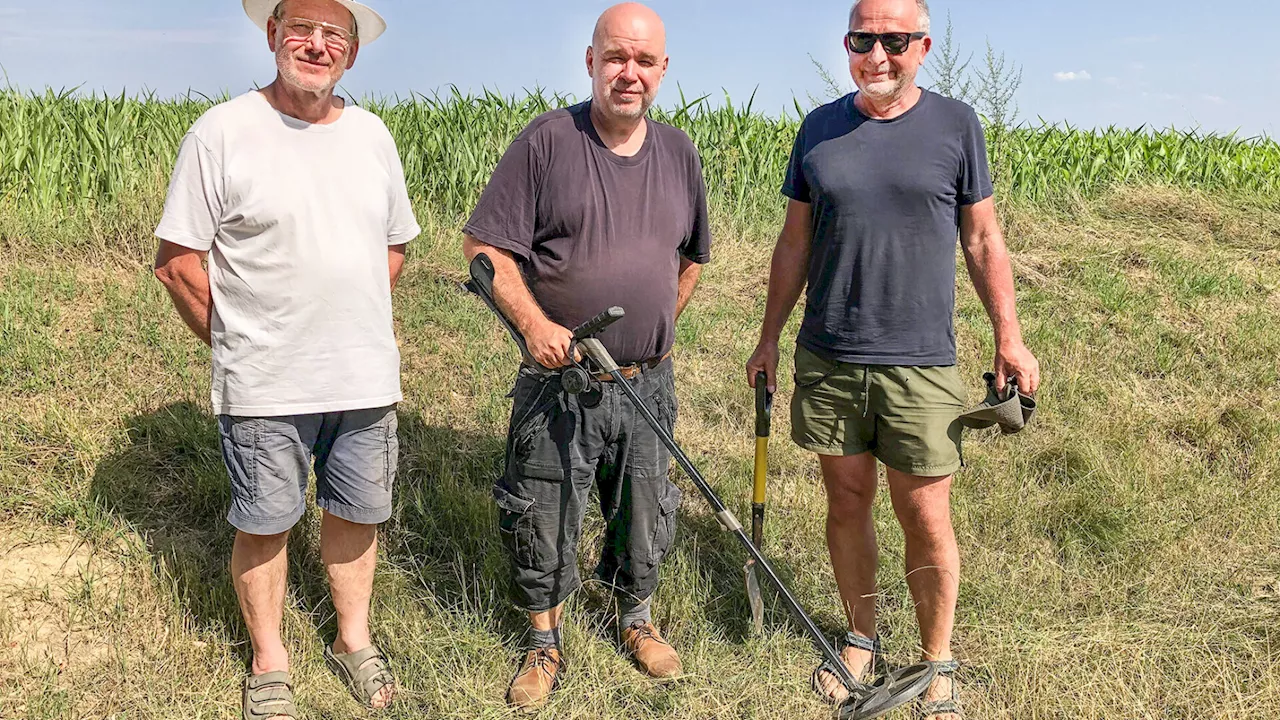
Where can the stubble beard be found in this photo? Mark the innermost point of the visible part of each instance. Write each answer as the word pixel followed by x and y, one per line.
pixel 632 111
pixel 287 65
pixel 888 89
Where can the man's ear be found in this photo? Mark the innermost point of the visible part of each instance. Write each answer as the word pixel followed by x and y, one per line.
pixel 271 33
pixel 591 56
pixel 352 52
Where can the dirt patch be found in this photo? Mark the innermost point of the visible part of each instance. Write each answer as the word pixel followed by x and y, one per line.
pixel 52 590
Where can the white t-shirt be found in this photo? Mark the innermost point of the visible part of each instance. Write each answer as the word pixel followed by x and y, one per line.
pixel 297 218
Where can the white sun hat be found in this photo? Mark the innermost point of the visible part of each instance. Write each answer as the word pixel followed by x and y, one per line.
pixel 369 24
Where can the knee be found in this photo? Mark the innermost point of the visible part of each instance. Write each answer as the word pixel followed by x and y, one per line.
pixel 849 503
pixel 929 522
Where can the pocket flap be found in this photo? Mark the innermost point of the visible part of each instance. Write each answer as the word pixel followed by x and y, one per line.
pixel 509 502
pixel 670 500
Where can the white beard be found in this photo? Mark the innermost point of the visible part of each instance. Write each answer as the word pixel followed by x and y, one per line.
pixel 307 83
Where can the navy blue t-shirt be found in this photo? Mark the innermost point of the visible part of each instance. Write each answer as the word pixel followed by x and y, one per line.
pixel 886 198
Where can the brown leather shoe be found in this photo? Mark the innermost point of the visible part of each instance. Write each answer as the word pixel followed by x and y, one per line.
pixel 538 676
pixel 655 655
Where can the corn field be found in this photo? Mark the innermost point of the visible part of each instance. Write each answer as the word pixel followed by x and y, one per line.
pixel 61 149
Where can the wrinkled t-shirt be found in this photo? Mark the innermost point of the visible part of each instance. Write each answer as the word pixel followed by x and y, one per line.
pixel 592 229
pixel 297 218
pixel 886 198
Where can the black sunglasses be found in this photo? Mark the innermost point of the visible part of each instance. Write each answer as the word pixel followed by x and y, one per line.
pixel 894 43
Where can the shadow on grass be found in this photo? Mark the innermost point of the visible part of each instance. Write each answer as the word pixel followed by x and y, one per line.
pixel 170 484
pixel 721 557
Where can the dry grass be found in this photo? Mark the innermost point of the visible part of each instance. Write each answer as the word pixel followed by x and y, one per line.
pixel 1120 557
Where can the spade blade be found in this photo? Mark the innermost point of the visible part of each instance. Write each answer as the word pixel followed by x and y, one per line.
pixel 753 597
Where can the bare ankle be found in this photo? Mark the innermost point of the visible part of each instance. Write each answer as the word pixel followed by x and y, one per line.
pixel 270 660
pixel 342 646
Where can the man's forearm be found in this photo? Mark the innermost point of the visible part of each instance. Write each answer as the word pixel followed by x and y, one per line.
pixel 509 288
pixel 992 277
pixel 689 273
pixel 193 299
pixel 787 273
pixel 395 263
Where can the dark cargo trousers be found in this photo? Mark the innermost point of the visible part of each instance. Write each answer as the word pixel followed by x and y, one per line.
pixel 558 446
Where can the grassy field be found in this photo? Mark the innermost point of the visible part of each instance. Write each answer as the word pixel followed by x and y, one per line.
pixel 1120 556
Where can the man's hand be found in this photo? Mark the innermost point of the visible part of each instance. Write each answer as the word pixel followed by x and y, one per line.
pixel 1016 361
pixel 764 359
pixel 549 344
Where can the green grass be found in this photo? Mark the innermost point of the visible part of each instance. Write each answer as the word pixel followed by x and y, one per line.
pixel 1120 556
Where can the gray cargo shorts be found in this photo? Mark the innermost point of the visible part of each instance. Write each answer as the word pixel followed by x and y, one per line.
pixel 268 459
pixel 557 449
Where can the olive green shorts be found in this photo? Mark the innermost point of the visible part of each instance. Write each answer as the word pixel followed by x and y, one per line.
pixel 905 416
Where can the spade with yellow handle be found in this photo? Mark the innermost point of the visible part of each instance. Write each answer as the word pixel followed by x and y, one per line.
pixel 764 408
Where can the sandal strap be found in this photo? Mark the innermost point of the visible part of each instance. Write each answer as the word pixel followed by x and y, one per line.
pixel 815 680
pixel 950 705
pixel 940 707
pixel 268 695
pixel 365 672
pixel 946 667
pixel 853 639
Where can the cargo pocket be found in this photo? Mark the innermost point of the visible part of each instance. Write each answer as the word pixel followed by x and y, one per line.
pixel 665 404
pixel 664 529
pixel 239 451
pixel 531 411
pixel 515 525
pixel 812 368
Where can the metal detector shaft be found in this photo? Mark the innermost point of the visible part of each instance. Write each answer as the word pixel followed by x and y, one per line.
pixel 730 523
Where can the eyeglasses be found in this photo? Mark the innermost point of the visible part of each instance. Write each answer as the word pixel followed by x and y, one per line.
pixel 304 29
pixel 894 43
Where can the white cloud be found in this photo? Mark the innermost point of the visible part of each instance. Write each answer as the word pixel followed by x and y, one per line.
pixel 1072 76
pixel 1214 99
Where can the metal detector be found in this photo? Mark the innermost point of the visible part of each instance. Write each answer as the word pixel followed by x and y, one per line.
pixel 865 701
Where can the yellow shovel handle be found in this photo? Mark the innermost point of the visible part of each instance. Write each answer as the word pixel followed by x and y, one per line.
pixel 762 465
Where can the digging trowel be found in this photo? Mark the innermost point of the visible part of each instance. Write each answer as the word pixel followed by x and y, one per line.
pixel 764 407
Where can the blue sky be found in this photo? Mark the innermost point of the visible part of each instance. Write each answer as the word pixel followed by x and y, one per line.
pixel 1090 62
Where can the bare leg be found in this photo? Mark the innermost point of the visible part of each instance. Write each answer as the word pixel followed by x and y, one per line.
pixel 923 507
pixel 259 565
pixel 851 540
pixel 350 552
pixel 547 619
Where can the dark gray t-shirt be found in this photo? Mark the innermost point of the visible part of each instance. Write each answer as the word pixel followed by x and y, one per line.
pixel 886 197
pixel 593 229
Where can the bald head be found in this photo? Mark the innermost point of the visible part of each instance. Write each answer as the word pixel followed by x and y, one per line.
pixel 630 20
pixel 627 60
pixel 879 7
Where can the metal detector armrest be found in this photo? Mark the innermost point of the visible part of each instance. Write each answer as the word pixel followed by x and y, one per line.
pixel 481 283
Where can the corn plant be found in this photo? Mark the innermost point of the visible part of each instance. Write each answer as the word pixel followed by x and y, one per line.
pixel 60 149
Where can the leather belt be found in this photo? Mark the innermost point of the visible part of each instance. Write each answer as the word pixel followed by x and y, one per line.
pixel 630 371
